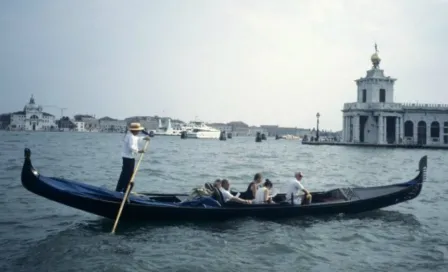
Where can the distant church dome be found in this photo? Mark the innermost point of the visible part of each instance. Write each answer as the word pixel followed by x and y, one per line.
pixel 31 106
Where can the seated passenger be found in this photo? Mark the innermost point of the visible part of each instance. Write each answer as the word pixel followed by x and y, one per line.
pixel 262 195
pixel 295 188
pixel 227 196
pixel 215 184
pixel 252 188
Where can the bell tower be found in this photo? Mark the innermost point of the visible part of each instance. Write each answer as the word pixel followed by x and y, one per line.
pixel 375 87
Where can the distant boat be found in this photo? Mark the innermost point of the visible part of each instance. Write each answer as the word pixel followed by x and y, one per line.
pixel 202 131
pixel 170 130
pixel 287 137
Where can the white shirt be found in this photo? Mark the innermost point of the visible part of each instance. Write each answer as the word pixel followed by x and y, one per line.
pixel 225 194
pixel 259 196
pixel 130 145
pixel 294 187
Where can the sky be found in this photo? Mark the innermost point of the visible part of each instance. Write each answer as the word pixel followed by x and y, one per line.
pixel 273 62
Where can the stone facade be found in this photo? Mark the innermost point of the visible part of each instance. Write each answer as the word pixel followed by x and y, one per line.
pixel 80 126
pixel 107 124
pixel 32 118
pixel 221 126
pixel 376 119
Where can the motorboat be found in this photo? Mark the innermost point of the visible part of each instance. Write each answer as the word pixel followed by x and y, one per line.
pixel 171 130
pixel 202 131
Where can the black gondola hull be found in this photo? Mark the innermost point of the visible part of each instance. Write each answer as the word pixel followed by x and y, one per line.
pixel 167 207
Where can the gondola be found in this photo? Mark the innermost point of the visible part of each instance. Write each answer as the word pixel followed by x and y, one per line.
pixel 151 207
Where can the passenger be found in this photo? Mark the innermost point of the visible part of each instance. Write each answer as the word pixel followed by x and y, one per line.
pixel 227 196
pixel 295 188
pixel 262 195
pixel 252 188
pixel 210 186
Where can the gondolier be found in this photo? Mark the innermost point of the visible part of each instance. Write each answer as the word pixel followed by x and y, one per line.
pixel 130 149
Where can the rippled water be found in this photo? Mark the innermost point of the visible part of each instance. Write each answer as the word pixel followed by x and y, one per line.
pixel 39 235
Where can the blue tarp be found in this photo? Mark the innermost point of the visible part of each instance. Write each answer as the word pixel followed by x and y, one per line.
pixel 94 192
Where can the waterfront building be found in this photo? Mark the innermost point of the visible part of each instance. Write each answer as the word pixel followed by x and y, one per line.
pixel 86 122
pixel 65 124
pixel 148 122
pixel 221 126
pixel 32 118
pixel 91 125
pixel 239 128
pixel 80 126
pixel 376 119
pixel 107 124
pixel 253 130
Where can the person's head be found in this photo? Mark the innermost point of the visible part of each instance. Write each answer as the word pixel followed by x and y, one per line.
pixel 217 183
pixel 298 175
pixel 258 178
pixel 268 184
pixel 225 184
pixel 135 128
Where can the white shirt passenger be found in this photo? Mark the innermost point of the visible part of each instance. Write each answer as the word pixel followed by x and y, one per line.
pixel 259 196
pixel 225 194
pixel 130 145
pixel 294 187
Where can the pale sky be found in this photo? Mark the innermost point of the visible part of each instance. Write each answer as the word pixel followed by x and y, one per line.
pixel 263 62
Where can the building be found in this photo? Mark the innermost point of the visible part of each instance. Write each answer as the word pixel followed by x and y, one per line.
pixel 148 122
pixel 91 124
pixel 221 126
pixel 376 119
pixel 80 126
pixel 239 128
pixel 253 130
pixel 65 124
pixel 32 118
pixel 107 124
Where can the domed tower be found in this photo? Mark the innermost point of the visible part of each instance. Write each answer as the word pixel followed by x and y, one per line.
pixel 31 106
pixel 375 87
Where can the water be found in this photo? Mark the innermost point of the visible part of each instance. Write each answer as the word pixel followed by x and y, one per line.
pixel 39 235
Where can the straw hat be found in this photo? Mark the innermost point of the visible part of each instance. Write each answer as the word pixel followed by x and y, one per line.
pixel 135 127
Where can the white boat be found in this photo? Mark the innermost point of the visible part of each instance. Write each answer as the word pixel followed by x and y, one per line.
pixel 289 137
pixel 202 131
pixel 170 130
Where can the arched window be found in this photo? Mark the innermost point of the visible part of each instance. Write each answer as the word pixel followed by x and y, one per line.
pixel 408 129
pixel 435 129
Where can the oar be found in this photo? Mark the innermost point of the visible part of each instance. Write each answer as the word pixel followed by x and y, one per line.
pixel 128 189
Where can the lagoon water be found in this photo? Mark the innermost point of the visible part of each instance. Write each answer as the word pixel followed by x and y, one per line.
pixel 40 235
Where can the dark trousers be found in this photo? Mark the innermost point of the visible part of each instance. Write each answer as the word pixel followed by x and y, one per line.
pixel 126 174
